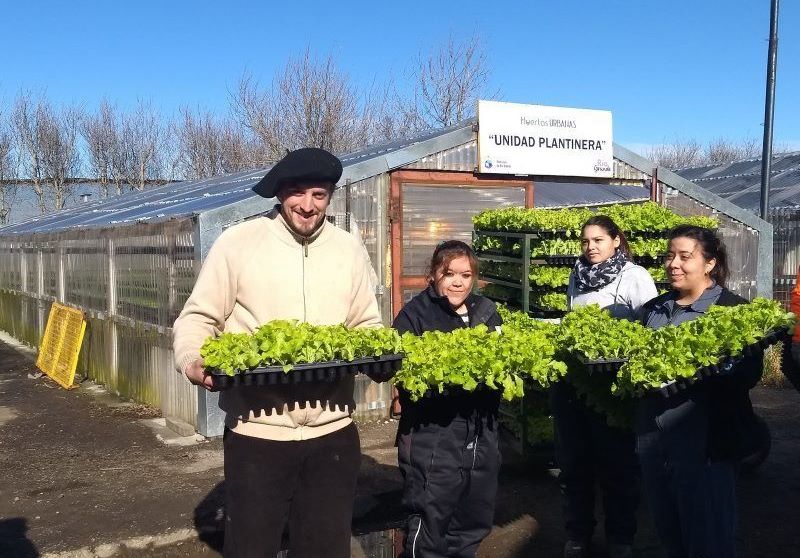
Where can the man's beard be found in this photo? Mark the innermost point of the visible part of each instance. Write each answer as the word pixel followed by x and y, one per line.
pixel 287 218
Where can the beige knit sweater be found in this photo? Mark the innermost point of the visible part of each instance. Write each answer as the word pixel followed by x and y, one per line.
pixel 259 271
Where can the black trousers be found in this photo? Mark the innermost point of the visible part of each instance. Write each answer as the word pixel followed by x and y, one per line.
pixel 692 499
pixel 308 484
pixel 589 452
pixel 450 482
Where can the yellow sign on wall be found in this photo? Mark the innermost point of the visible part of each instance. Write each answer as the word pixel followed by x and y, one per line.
pixel 61 344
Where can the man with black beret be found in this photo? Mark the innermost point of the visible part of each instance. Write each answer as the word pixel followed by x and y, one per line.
pixel 291 451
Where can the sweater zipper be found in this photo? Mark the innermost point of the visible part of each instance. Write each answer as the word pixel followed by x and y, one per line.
pixel 305 255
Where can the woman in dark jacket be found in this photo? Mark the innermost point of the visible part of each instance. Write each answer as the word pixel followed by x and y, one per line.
pixel 448 443
pixel 689 444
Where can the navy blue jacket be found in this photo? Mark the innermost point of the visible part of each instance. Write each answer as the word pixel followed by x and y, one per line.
pixel 733 431
pixel 428 311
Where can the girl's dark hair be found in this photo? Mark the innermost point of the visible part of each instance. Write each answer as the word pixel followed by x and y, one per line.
pixel 712 246
pixel 448 251
pixel 608 225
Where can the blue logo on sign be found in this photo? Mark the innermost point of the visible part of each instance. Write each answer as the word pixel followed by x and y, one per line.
pixel 488 163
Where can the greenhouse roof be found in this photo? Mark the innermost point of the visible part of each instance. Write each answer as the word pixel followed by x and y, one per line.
pixel 186 199
pixel 740 181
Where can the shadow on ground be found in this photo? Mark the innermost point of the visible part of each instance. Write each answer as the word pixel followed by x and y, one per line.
pixel 14 539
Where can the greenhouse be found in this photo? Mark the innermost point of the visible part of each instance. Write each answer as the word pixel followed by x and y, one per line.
pixel 130 262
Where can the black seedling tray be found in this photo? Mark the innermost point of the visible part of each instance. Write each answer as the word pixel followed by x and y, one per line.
pixel 329 371
pixel 503 253
pixel 649 260
pixel 721 368
pixel 549 289
pixel 570 260
pixel 493 277
pixel 630 235
pixel 557 260
pixel 601 365
pixel 537 312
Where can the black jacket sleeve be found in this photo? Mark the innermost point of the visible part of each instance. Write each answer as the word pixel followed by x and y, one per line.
pixel 403 324
pixel 732 428
pixel 494 320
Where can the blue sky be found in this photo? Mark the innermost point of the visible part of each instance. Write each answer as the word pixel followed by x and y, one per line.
pixel 667 69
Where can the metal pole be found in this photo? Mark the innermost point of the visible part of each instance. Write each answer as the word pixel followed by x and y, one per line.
pixel 347 203
pixel 769 110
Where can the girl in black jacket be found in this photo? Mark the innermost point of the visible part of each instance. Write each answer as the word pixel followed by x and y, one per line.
pixel 448 443
pixel 688 444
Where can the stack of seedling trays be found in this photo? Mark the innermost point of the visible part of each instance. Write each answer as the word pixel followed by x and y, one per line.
pixel 330 371
pixel 510 278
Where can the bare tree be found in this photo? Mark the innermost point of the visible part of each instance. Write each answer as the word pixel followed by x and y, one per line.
pixel 681 154
pixel 8 186
pixel 208 146
pixel 258 112
pixel 448 83
pixel 720 151
pixel 142 136
pixel 676 155
pixel 311 103
pixel 59 151
pixel 237 150
pixel 749 148
pixel 101 134
pixel 26 120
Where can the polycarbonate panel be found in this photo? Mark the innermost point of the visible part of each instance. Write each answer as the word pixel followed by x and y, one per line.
pixel 786 252
pixel 95 360
pixel 138 377
pixel 50 259
pixel 624 171
pixel 10 265
pixel 141 267
pixel 364 209
pixel 185 271
pixel 86 282
pixel 31 267
pixel 432 214
pixel 18 317
pixel 460 158
pixel 178 396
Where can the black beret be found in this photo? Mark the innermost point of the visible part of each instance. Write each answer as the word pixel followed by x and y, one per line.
pixel 309 164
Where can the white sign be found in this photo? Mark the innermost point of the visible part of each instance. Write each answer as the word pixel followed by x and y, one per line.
pixel 536 139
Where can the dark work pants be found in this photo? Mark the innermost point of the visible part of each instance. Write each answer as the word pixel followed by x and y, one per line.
pixel 692 499
pixel 589 452
pixel 310 484
pixel 450 483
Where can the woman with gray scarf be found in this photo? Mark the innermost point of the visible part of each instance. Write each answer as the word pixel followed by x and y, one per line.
pixel 588 450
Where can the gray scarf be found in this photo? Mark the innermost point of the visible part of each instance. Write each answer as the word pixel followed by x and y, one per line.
pixel 590 277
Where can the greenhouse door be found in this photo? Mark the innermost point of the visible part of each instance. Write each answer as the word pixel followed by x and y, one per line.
pixel 427 207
